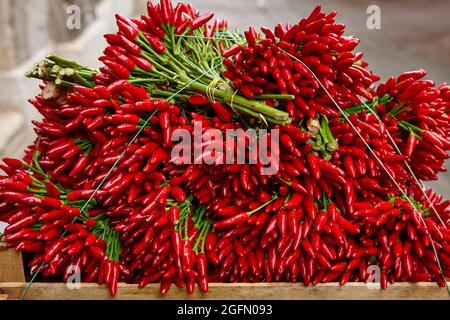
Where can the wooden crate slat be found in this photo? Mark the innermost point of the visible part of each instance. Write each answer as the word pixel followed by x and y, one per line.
pixel 237 291
pixel 11 265
pixel 12 283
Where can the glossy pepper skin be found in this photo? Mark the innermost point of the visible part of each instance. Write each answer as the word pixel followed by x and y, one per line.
pixel 100 190
pixel 111 275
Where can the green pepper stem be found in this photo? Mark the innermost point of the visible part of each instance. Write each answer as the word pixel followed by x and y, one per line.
pixel 256 106
pixel 275 96
pixel 275 197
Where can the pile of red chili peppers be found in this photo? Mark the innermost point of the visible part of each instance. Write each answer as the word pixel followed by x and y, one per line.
pixel 98 193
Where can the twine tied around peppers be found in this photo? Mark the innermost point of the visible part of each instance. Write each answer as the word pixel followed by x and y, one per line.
pixel 34 275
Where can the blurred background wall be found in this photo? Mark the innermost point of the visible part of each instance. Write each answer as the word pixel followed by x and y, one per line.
pixel 414 34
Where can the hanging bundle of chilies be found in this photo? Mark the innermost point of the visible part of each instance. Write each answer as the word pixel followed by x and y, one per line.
pixel 99 193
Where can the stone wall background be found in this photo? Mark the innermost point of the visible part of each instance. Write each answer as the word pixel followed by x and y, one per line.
pixel 28 25
pixel 29 29
pixel 414 34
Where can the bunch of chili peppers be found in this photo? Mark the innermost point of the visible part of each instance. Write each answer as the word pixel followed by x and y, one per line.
pixel 98 192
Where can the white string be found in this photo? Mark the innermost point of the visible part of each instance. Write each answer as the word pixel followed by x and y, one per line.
pixel 419 184
pixel 38 142
pixel 347 119
pixel 211 38
pixel 115 165
pixel 377 158
pixel 379 161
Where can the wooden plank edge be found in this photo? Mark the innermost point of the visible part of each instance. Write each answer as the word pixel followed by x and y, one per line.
pixel 3 297
pixel 233 291
pixel 3 244
pixel 11 264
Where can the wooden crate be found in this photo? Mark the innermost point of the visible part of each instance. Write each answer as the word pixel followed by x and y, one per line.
pixel 12 283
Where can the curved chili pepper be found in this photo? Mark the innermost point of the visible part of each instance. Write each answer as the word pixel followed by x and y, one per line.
pixel 231 221
pixel 25 222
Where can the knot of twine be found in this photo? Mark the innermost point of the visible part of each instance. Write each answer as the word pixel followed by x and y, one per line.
pixel 212 87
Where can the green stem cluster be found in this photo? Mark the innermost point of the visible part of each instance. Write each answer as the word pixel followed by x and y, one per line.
pixel 38 187
pixel 195 61
pixel 368 106
pixel 323 141
pixel 85 145
pixel 419 207
pixel 197 215
pixel 103 231
pixel 62 72
pixel 412 129
pixel 190 63
pixel 274 197
pixel 185 211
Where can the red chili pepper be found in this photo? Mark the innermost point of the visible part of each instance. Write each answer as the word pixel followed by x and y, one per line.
pixel 13 185
pixel 415 75
pixel 198 99
pixel 141 62
pixel 18 215
pixel 19 235
pixel 348 226
pixel 84 194
pixel 117 68
pixel 124 60
pixel 434 229
pixel 53 250
pixel 178 194
pixel 245 178
pixel 51 202
pixel 222 112
pixel 432 138
pixel 97 252
pixel 30 246
pixel 79 166
pixel 111 276
pixel 154 14
pixel 75 248
pixel 282 222
pixel 201 20
pixel 174 215
pixel 128 30
pixel 13 163
pixel 295 200
pixel 90 223
pixel 411 144
pixel 312 161
pixel 90 240
pixel 161 193
pixel 336 232
pixel 310 207
pixel 231 51
pixel 321 221
pixel 166 10
pixel 210 241
pixel 308 248
pixel 52 215
pixel 349 166
pixel 333 212
pixel 130 46
pixel 25 222
pixel 156 44
pixel 153 26
pixel 231 221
